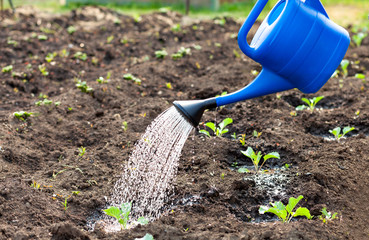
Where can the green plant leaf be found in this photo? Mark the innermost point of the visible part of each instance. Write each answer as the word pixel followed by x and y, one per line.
pixel 249 153
pixel 279 205
pixel 113 212
pixel 302 212
pixel 292 202
pixel 271 155
pixel 336 132
pixel 324 212
pixel 301 108
pixel 359 76
pixel 225 123
pixel 307 101
pixel 347 129
pixel 142 220
pixel 243 170
pixel 146 237
pixel 224 131
pixel 205 132
pixel 211 126
pixel 317 99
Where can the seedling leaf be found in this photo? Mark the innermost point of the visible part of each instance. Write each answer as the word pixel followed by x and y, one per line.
pixel 292 202
pixel 306 101
pixel 301 211
pixel 146 237
pixel 113 212
pixel 347 129
pixel 271 155
pixel 243 170
pixel 225 122
pixel 211 126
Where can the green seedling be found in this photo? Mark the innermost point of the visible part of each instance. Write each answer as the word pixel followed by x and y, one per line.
pixel 327 216
pixel 101 80
pixel 129 76
pixel 124 125
pixel 197 47
pixel 311 103
pixel 286 213
pixel 181 53
pixel 146 237
pixel 65 203
pixel 161 53
pixel 47 30
pixel 255 158
pixel 50 56
pixel 7 69
pixel 42 69
pixel 35 185
pixel 359 76
pixel 243 170
pixel 12 42
pixel 242 139
pixel 45 101
pixel 83 86
pixel 218 131
pixel 108 75
pixel 42 37
pixel 220 21
pixel 110 39
pixel 256 134
pixel 64 53
pixel 120 214
pixel 176 28
pixel 137 18
pixel 71 29
pixel 80 55
pixel 337 132
pixel 82 151
pixel 169 85
pixel 117 21
pixel 358 38
pixel 75 192
pixel 344 65
pixel 22 115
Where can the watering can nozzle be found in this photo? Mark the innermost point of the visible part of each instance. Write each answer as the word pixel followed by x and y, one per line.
pixel 193 109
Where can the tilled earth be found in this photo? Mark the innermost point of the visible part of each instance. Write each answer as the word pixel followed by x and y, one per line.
pixel 40 164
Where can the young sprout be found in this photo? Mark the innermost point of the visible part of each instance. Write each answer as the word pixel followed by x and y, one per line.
pixel 120 214
pixel 359 76
pixel 7 69
pixel 148 236
pixel 71 29
pixel 50 56
pixel 101 80
pixel 344 65
pixel 286 213
pixel 22 115
pixel 82 151
pixel 110 39
pixel 176 28
pixel 45 101
pixel 83 86
pixel 169 85
pixel 65 203
pixel 310 103
pixel 218 131
pixel 181 53
pixel 42 69
pixel 255 158
pixel 42 37
pixel 80 55
pixel 327 216
pixel 12 42
pixel 161 53
pixel 337 132
pixel 129 76
pixel 358 38
pixel 220 21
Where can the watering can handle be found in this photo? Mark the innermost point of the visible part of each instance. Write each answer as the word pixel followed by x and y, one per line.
pixel 244 30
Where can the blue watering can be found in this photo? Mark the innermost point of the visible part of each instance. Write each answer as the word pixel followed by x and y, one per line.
pixel 297 45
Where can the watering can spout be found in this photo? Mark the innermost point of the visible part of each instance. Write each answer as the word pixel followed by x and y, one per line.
pixel 194 109
pixel 265 83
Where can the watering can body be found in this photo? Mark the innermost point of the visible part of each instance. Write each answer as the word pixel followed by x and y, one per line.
pixel 297 45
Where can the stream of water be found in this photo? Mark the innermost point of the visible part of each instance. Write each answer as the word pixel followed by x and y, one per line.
pixel 149 173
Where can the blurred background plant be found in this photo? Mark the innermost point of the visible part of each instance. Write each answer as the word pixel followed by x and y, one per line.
pixel 343 12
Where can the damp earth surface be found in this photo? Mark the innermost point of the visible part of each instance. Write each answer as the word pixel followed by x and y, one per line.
pixel 51 189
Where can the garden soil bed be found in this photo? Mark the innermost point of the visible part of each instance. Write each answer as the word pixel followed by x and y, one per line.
pixel 212 199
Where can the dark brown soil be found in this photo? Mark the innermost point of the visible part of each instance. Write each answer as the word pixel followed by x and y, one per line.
pixel 213 200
